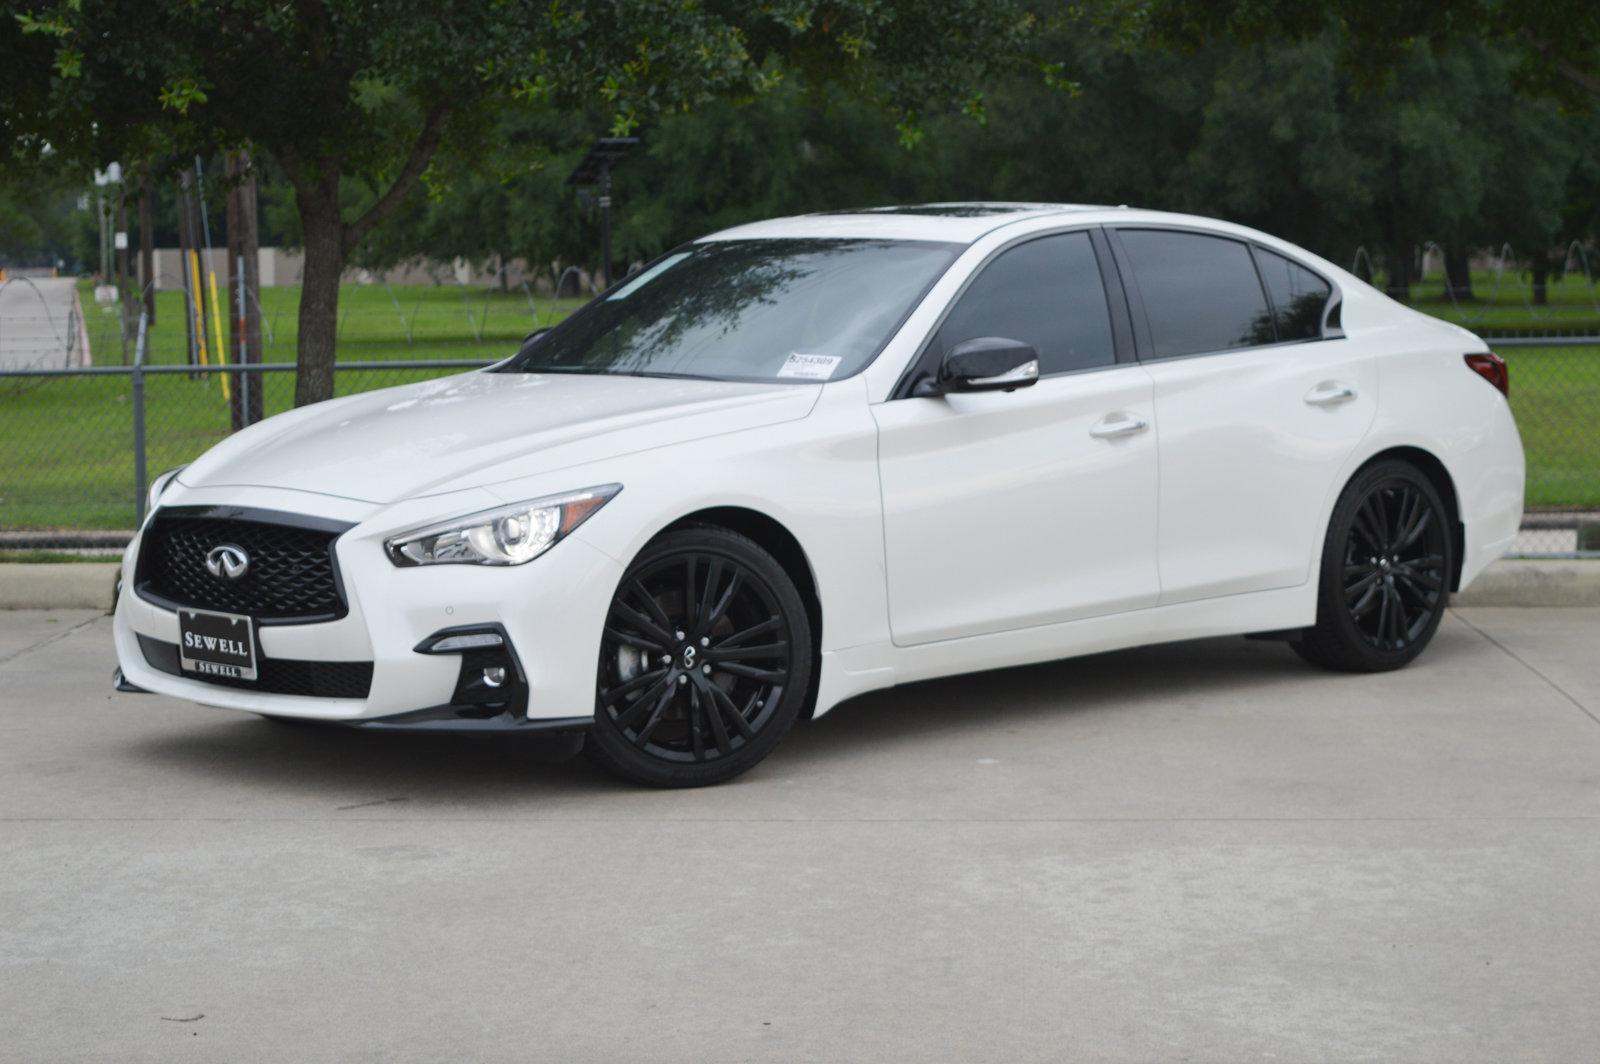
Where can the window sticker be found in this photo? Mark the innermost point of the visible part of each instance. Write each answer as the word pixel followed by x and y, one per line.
pixel 809 367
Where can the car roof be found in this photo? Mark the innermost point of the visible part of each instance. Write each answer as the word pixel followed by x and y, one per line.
pixel 948 222
pixel 966 223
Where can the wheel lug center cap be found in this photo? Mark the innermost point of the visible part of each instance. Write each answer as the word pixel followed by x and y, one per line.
pixel 689 654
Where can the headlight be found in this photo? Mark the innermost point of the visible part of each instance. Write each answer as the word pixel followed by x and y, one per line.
pixel 509 535
pixel 159 485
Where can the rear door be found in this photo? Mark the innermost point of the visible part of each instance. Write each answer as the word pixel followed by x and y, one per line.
pixel 1259 398
pixel 1005 510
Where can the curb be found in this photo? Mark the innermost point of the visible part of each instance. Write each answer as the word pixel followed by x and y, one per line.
pixel 57 585
pixel 60 539
pixel 1538 584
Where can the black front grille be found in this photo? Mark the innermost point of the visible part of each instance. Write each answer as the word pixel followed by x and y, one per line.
pixel 276 676
pixel 292 574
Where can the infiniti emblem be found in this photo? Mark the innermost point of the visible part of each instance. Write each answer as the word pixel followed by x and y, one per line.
pixel 227 562
pixel 688 657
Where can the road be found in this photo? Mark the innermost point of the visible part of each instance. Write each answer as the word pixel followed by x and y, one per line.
pixel 35 327
pixel 1200 852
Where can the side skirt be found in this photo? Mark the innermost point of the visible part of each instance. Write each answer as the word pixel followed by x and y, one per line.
pixel 860 669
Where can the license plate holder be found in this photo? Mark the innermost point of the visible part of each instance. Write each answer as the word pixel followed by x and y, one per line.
pixel 222 645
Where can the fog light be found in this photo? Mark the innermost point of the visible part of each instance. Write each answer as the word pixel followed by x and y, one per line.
pixel 490 680
pixel 467 641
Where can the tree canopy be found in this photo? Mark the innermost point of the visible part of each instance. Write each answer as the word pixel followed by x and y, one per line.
pixel 381 139
pixel 340 93
pixel 1447 146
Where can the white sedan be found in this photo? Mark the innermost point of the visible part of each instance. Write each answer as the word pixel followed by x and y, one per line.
pixel 807 458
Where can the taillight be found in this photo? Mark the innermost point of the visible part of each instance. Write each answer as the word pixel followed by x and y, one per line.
pixel 1492 368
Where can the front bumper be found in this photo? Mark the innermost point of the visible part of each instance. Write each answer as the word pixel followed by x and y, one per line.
pixel 447 720
pixel 552 611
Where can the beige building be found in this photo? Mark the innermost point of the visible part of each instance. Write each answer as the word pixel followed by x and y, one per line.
pixel 283 266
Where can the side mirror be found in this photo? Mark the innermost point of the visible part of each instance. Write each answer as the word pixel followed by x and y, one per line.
pixel 985 364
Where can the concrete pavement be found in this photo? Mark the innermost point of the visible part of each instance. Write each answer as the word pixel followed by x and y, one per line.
pixel 1203 852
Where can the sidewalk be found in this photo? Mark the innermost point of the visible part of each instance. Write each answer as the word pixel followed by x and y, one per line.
pixel 37 327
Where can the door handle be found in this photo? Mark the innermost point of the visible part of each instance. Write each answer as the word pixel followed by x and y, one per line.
pixel 1330 393
pixel 1118 424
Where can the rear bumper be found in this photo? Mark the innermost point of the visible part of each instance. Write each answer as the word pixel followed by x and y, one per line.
pixel 1491 486
pixel 551 609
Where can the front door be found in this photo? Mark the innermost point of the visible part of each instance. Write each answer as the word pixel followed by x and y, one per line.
pixel 1007 510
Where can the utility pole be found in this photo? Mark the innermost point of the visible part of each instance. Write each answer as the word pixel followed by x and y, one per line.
pixel 124 304
pixel 605 225
pixel 104 272
pixel 185 246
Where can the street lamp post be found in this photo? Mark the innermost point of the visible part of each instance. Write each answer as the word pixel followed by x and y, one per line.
pixel 594 171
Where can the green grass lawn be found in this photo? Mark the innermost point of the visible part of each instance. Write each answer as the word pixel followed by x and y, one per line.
pixel 1502 304
pixel 1555 394
pixel 376 323
pixel 68 443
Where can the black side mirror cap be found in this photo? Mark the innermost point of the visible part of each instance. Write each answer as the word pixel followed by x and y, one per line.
pixel 984 364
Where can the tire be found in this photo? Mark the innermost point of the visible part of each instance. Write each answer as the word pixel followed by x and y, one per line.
pixel 1384 579
pixel 705 661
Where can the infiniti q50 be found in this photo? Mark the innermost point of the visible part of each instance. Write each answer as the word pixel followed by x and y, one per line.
pixel 802 459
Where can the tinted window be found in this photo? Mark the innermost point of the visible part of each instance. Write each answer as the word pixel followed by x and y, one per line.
pixel 1298 296
pixel 1201 293
pixel 747 310
pixel 1047 293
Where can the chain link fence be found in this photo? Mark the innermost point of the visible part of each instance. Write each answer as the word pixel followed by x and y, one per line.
pixel 80 440
pixel 81 445
pixel 1555 395
pixel 89 416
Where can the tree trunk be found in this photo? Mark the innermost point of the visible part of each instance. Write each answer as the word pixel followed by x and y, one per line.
pixel 1541 279
pixel 319 291
pixel 147 245
pixel 245 319
pixel 1398 268
pixel 1458 273
pixel 329 242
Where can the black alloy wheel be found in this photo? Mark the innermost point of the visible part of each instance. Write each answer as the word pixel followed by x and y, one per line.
pixel 704 662
pixel 1385 572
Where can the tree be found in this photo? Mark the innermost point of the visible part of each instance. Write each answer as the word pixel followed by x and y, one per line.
pixel 354 101
pixel 40 223
pixel 1549 46
pixel 1556 42
pixel 505 200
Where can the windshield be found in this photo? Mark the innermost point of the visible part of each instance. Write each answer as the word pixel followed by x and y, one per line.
pixel 747 310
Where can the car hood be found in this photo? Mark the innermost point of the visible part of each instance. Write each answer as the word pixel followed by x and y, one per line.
pixel 476 429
